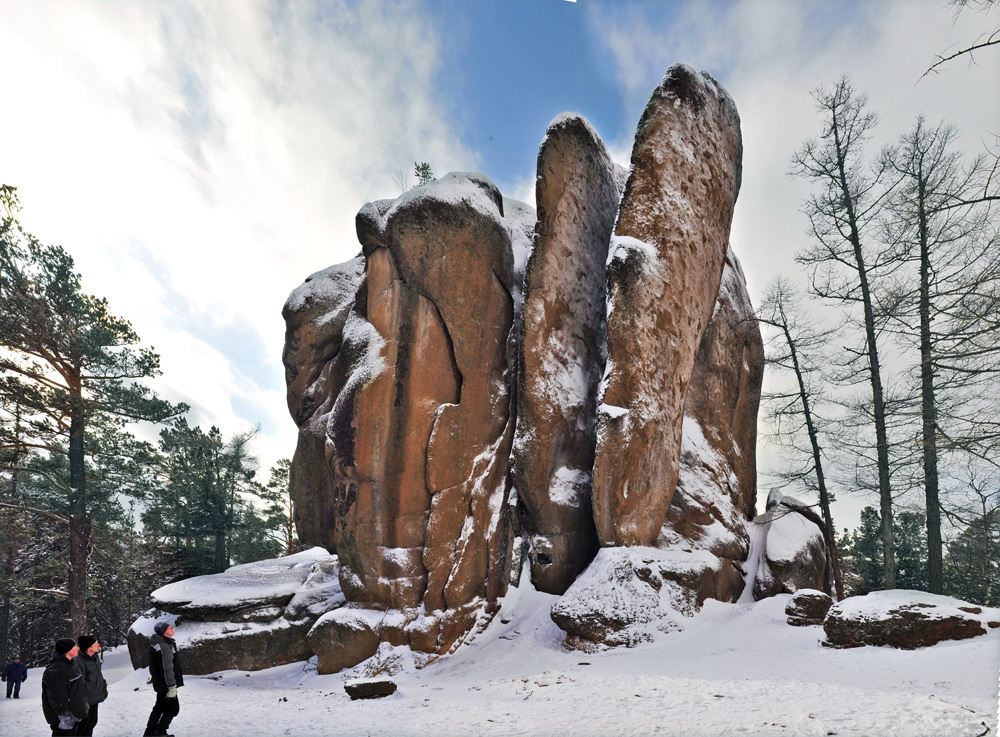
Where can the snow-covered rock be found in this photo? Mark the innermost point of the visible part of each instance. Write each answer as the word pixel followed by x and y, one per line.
pixel 629 594
pixel 789 552
pixel 672 233
pixel 249 617
pixel 905 619
pixel 807 607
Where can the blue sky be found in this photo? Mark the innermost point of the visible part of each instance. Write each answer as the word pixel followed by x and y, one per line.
pixel 199 158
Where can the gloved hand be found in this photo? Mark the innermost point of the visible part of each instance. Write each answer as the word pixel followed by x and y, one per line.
pixel 67 721
pixel 172 692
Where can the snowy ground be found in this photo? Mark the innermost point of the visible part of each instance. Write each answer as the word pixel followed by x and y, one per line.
pixel 736 670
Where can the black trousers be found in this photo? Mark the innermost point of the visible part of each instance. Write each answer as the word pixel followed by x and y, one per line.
pixel 86 727
pixel 14 684
pixel 164 711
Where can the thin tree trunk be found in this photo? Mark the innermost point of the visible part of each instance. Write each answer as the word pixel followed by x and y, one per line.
pixel 875 373
pixel 79 525
pixel 824 497
pixel 928 411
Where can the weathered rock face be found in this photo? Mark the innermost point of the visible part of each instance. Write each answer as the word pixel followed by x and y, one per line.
pixel 724 393
pixel 418 422
pixel 807 607
pixel 717 484
pixel 669 249
pixel 250 617
pixel 315 314
pixel 903 619
pixel 561 359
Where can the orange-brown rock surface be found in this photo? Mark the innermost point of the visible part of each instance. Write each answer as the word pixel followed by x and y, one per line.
pixel 670 244
pixel 417 419
pixel 600 357
pixel 561 361
pixel 717 483
pixel 315 314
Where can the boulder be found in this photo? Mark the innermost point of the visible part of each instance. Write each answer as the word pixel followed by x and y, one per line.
pixel 808 607
pixel 791 552
pixel 249 617
pixel 902 619
pixel 369 688
pixel 561 361
pixel 629 594
pixel 344 637
pixel 668 254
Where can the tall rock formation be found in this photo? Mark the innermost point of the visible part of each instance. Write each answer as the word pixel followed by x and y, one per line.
pixel 670 244
pixel 601 358
pixel 416 414
pixel 561 356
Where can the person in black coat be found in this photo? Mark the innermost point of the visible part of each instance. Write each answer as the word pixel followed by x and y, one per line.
pixel 94 684
pixel 64 699
pixel 165 671
pixel 14 673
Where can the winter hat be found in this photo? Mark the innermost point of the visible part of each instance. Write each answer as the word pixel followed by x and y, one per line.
pixel 85 641
pixel 161 627
pixel 64 645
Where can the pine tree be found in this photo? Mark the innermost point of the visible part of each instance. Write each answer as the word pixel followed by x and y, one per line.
pixel 422 171
pixel 68 371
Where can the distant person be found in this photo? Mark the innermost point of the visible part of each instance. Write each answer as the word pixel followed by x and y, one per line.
pixel 64 699
pixel 165 670
pixel 14 673
pixel 96 687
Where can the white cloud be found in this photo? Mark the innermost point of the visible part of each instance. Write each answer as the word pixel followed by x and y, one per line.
pixel 199 159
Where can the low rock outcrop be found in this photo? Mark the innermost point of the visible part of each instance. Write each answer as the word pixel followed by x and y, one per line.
pixel 250 617
pixel 808 607
pixel 903 619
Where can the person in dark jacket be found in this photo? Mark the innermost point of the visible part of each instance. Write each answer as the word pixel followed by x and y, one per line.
pixel 14 673
pixel 64 699
pixel 89 663
pixel 165 671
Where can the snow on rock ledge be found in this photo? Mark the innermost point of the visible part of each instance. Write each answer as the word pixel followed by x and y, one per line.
pixel 905 619
pixel 249 617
